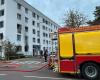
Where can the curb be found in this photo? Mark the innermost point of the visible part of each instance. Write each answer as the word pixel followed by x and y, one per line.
pixel 45 66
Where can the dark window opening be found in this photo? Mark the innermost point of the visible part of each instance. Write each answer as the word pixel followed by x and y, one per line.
pixel 38 33
pixel 26 29
pixel 26 10
pixel 1 24
pixel 34 31
pixel 19 6
pixel 0 48
pixel 2 2
pixel 1 36
pixel 2 12
pixel 38 24
pixel 37 17
pixel 38 40
pixel 33 22
pixel 26 19
pixel 19 48
pixel 19 16
pixel 26 48
pixel 18 37
pixel 34 15
pixel 33 39
pixel 19 27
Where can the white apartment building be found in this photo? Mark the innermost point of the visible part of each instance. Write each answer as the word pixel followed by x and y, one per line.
pixel 27 27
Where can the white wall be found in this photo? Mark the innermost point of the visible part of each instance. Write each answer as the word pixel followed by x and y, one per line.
pixel 10 26
pixel 10 22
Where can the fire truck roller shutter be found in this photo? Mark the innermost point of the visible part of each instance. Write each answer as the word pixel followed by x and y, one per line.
pixel 66 46
pixel 87 42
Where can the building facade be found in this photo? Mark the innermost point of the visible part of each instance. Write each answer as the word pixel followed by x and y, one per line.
pixel 27 27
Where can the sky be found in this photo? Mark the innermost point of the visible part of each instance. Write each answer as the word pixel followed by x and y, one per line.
pixel 56 9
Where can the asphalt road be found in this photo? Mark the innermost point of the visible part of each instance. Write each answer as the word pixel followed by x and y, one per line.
pixel 43 74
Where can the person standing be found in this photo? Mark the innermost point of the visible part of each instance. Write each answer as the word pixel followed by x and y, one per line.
pixel 45 55
pixel 41 53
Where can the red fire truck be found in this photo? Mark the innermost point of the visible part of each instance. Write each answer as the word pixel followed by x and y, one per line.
pixel 79 51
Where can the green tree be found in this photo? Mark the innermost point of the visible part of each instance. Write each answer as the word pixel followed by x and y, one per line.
pixel 96 13
pixel 74 19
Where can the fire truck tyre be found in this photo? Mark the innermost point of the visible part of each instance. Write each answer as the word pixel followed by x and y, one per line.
pixel 90 71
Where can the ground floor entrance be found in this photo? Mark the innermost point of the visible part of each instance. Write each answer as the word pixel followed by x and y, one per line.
pixel 36 50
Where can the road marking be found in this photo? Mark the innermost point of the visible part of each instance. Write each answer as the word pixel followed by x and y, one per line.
pixel 3 74
pixel 47 78
pixel 25 62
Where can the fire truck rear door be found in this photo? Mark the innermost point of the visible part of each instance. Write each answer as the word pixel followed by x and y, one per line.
pixel 66 56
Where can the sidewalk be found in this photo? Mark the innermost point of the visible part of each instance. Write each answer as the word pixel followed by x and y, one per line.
pixel 26 64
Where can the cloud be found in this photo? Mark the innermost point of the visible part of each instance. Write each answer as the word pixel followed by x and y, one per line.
pixel 55 9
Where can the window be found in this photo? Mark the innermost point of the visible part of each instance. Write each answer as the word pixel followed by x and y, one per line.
pixel 1 36
pixel 33 31
pixel 37 17
pixel 46 22
pixel 55 43
pixel 43 27
pixel 19 6
pixel 46 28
pixel 26 19
pixel 26 10
pixel 43 41
pixel 0 48
pixel 51 24
pixel 38 33
pixel 49 29
pixel 2 2
pixel 43 20
pixel 19 16
pixel 26 29
pixel 2 12
pixel 55 26
pixel 26 39
pixel 43 34
pixel 47 41
pixel 46 35
pixel 33 22
pixel 1 24
pixel 19 48
pixel 38 40
pixel 19 27
pixel 38 24
pixel 18 37
pixel 33 39
pixel 34 15
pixel 26 48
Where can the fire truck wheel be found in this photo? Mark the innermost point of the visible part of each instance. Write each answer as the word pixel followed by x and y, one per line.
pixel 90 71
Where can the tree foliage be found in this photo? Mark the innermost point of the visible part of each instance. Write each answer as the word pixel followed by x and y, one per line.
pixel 96 13
pixel 8 48
pixel 74 19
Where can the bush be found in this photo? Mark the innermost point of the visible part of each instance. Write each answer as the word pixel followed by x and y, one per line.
pixel 20 55
pixel 11 55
